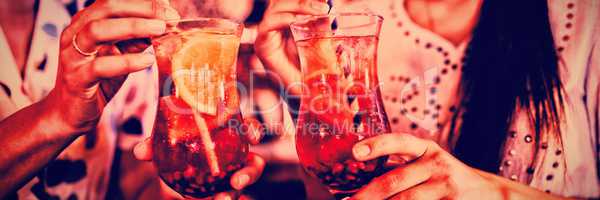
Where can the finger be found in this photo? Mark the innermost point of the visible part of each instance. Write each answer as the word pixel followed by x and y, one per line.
pixel 430 190
pixel 276 22
pixel 278 62
pixel 396 181
pixel 406 146
pixel 110 66
pixel 254 130
pixel 305 7
pixel 230 195
pixel 118 29
pixel 143 150
pixel 249 174
pixel 114 9
pixel 283 13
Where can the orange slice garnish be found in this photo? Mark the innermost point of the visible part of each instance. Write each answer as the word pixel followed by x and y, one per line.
pixel 201 67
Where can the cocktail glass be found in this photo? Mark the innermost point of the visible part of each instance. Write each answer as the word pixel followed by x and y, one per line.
pixel 341 102
pixel 197 141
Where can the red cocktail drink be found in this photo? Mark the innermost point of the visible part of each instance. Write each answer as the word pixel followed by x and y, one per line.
pixel 197 138
pixel 341 102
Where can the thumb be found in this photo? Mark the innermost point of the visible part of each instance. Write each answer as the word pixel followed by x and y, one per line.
pixel 143 150
pixel 406 146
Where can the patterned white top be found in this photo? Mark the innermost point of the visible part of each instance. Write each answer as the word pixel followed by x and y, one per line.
pixel 420 72
pixel 83 169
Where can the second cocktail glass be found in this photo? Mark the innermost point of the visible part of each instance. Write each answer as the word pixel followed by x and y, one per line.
pixel 197 141
pixel 341 102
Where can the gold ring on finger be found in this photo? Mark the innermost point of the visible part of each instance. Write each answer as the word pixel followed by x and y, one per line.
pixel 74 43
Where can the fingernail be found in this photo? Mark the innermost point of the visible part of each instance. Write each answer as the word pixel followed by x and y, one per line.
pixel 361 151
pixel 139 151
pixel 171 14
pixel 164 1
pixel 319 6
pixel 147 59
pixel 243 180
pixel 157 26
pixel 301 17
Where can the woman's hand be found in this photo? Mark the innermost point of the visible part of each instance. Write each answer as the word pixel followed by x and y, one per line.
pixel 88 61
pixel 274 44
pixel 91 67
pixel 432 173
pixel 239 180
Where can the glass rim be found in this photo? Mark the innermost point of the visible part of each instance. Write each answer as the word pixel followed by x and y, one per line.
pixel 229 26
pixel 296 24
pixel 202 19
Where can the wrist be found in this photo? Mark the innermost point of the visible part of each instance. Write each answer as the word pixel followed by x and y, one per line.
pixel 54 120
pixel 509 189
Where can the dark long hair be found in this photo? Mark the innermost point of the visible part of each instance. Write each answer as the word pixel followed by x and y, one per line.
pixel 511 63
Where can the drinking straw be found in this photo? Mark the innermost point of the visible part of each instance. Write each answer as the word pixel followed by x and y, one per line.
pixel 334 23
pixel 209 145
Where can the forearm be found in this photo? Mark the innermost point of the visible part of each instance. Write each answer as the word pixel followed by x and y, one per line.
pixel 514 190
pixel 31 138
